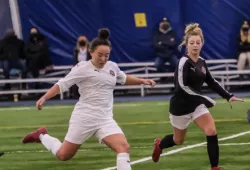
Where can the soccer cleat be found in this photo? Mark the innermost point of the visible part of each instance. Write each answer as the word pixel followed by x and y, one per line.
pixel 34 136
pixel 157 150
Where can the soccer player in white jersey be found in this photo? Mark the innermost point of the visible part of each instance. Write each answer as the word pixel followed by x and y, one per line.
pixel 92 114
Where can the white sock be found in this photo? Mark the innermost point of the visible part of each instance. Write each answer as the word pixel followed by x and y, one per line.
pixel 51 143
pixel 123 161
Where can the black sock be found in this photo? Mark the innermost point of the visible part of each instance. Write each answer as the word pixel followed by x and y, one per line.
pixel 213 150
pixel 167 142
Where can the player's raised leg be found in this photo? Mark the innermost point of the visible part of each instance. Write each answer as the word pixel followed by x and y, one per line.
pixel 180 125
pixel 63 151
pixel 168 141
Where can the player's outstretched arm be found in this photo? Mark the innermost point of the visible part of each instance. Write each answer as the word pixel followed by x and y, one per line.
pixel 131 80
pixel 53 91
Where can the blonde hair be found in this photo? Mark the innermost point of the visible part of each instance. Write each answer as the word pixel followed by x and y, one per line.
pixel 244 38
pixel 191 30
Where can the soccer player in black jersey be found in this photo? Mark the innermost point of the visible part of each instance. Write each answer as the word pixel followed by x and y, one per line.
pixel 188 104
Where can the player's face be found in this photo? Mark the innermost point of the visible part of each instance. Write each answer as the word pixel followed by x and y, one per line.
pixel 194 45
pixel 101 55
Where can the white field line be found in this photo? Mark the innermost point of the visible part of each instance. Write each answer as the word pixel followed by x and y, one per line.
pixel 182 149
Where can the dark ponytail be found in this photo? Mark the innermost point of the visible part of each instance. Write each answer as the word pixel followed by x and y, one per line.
pixel 102 39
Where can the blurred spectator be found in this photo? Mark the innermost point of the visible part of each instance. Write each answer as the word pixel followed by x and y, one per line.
pixel 81 51
pixel 37 53
pixel 11 54
pixel 244 46
pixel 165 45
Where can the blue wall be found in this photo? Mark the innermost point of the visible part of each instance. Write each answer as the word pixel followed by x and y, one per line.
pixel 63 21
pixel 5 17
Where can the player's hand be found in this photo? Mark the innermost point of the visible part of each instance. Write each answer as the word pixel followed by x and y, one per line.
pixel 235 99
pixel 149 82
pixel 40 103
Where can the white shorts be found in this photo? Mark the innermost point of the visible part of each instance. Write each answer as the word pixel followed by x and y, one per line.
pixel 182 122
pixel 79 131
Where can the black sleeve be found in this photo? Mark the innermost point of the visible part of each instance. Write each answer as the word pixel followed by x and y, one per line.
pixel 21 52
pixel 215 86
pixel 26 50
pixel 75 58
pixel 1 50
pixel 46 53
pixel 183 71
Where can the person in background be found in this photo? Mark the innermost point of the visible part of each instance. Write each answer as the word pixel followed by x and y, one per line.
pixel 165 47
pixel 81 51
pixel 244 46
pixel 37 54
pixel 11 54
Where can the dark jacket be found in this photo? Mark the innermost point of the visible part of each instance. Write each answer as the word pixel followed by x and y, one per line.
pixel 11 48
pixel 164 44
pixel 242 46
pixel 37 48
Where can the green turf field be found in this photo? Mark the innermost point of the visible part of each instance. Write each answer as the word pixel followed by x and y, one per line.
pixel 141 122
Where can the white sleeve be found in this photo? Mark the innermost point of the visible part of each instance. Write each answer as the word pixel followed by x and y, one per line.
pixel 121 76
pixel 74 76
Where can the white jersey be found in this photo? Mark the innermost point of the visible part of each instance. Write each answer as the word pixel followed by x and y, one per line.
pixel 96 87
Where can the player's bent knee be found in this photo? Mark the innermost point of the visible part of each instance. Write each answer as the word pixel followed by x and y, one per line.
pixel 123 147
pixel 210 131
pixel 62 156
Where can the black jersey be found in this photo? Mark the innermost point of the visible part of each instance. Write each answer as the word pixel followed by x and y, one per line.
pixel 189 79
